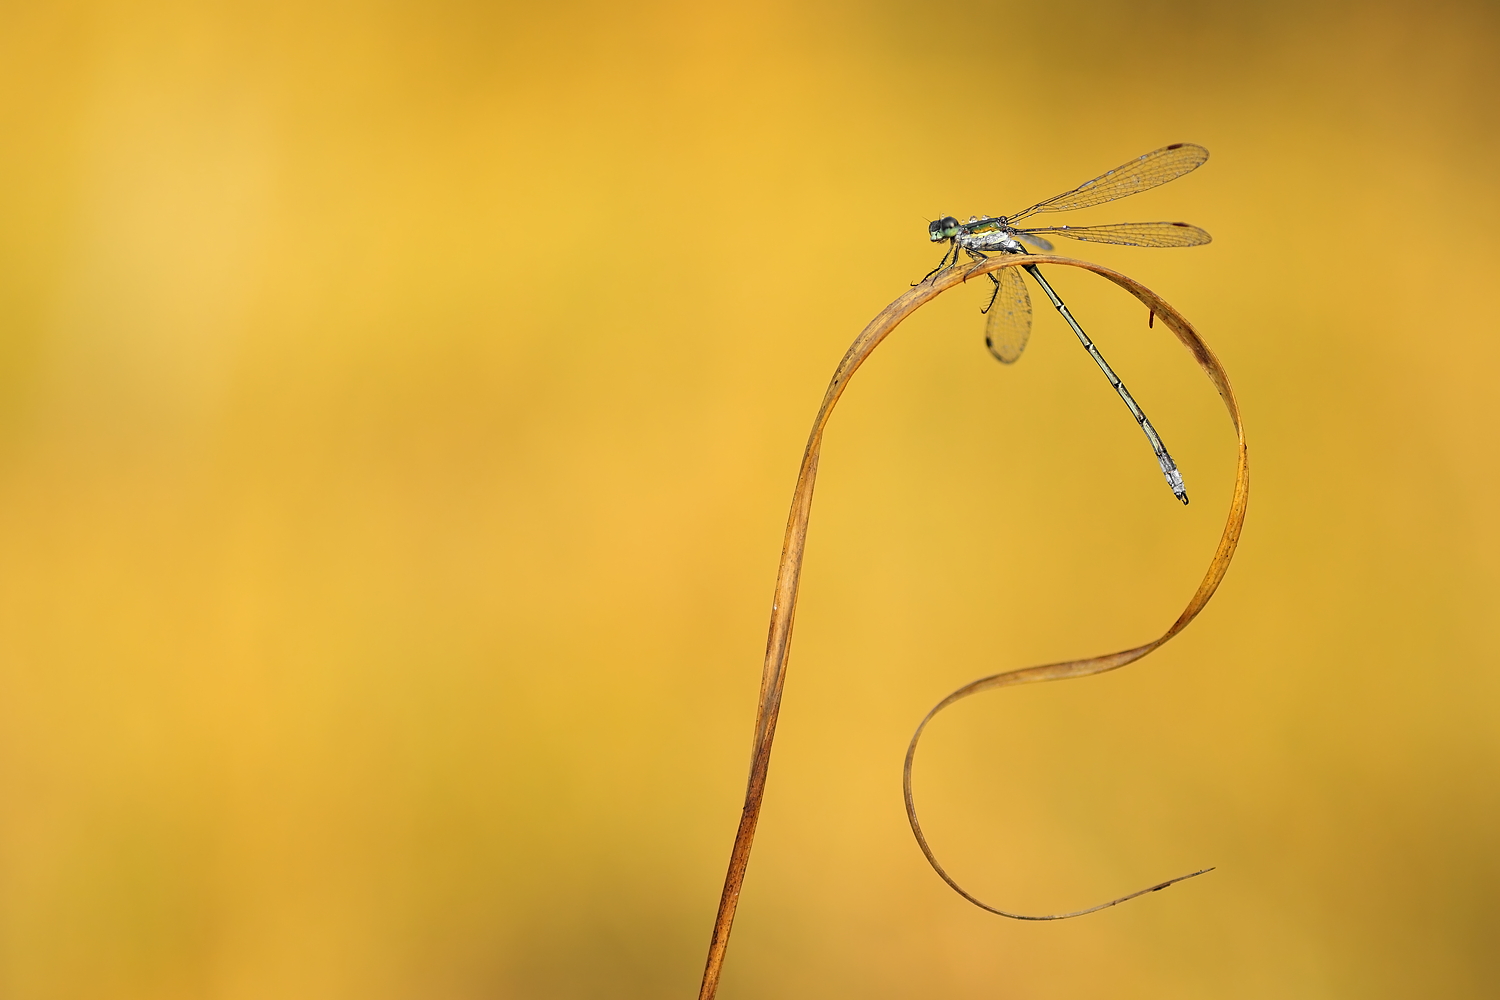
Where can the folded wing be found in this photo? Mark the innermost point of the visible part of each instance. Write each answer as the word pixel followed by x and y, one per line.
pixel 1007 326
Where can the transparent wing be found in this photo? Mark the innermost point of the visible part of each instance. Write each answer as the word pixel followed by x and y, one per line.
pixel 1036 241
pixel 1008 324
pixel 1134 234
pixel 1141 174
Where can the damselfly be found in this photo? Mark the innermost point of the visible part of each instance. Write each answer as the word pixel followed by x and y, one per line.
pixel 1008 325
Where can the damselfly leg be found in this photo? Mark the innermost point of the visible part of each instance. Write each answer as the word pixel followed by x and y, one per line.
pixel 993 294
pixel 977 257
pixel 953 249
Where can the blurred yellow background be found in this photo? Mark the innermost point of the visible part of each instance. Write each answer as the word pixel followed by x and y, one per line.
pixel 399 405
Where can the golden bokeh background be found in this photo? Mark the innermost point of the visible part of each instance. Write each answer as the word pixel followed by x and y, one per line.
pixel 399 405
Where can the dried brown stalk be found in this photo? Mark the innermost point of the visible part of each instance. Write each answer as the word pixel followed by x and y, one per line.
pixel 784 605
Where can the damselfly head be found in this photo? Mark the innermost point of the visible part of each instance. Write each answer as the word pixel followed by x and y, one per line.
pixel 943 229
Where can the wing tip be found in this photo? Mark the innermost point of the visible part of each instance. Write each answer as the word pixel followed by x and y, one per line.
pixel 1187 145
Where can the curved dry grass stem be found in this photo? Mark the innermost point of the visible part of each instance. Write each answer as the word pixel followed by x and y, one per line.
pixel 784 604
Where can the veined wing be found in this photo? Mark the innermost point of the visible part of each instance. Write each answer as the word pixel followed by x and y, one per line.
pixel 1134 234
pixel 1008 325
pixel 1141 174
